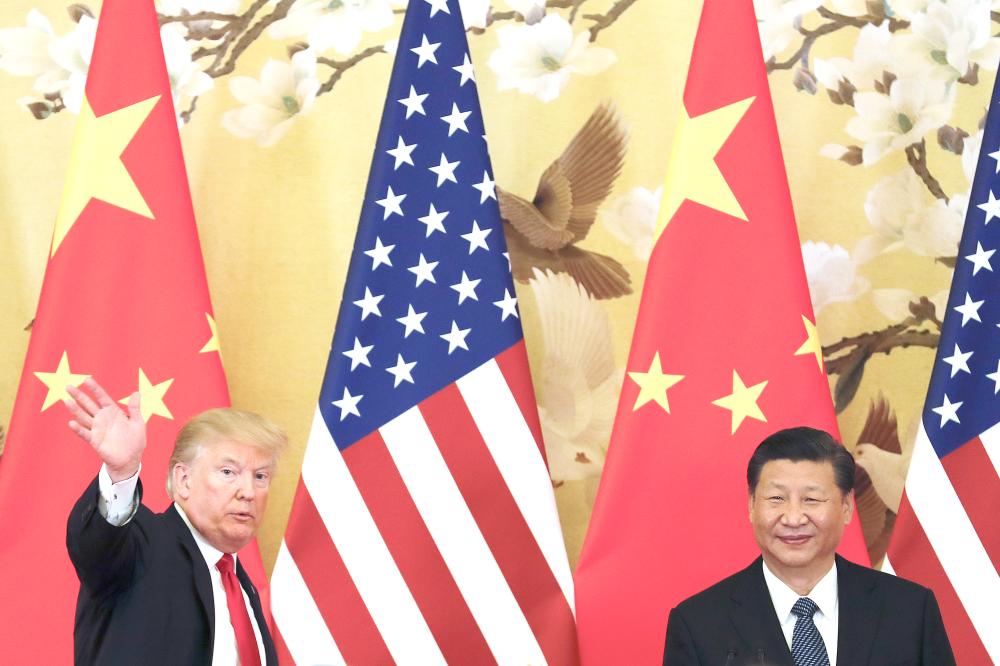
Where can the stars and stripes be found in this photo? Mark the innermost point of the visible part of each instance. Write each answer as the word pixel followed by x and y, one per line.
pixel 946 535
pixel 424 527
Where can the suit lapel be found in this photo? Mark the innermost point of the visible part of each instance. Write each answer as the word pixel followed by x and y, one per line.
pixel 860 601
pixel 199 569
pixel 258 612
pixel 753 615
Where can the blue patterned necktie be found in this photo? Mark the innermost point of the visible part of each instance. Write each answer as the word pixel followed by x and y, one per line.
pixel 808 648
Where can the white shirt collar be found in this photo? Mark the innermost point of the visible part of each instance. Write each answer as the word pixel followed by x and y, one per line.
pixel 211 554
pixel 824 593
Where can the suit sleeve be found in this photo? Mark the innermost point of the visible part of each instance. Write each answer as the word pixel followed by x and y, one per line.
pixel 107 558
pixel 936 647
pixel 679 648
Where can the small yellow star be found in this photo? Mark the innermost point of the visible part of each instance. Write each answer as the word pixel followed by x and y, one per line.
pixel 96 170
pixel 812 344
pixel 653 385
pixel 742 402
pixel 58 381
pixel 213 342
pixel 692 172
pixel 151 397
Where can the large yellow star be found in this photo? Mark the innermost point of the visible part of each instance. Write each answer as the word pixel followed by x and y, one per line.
pixel 812 344
pixel 692 172
pixel 742 402
pixel 58 381
pixel 653 385
pixel 96 170
pixel 151 397
pixel 213 342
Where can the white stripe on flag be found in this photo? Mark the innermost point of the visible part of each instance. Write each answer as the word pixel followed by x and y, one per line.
pixel 462 546
pixel 513 447
pixel 299 620
pixel 954 540
pixel 364 552
pixel 991 442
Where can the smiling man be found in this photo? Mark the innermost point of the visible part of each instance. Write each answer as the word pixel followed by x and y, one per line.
pixel 800 603
pixel 167 588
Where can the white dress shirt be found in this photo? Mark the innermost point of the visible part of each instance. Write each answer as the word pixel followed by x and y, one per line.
pixel 824 593
pixel 117 503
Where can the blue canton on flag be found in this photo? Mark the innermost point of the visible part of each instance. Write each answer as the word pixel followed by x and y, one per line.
pixel 429 293
pixel 424 528
pixel 946 535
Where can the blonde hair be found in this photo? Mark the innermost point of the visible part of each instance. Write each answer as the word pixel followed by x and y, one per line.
pixel 214 425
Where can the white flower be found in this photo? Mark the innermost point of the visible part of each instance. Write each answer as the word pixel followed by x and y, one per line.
pixel 474 12
pixel 186 79
pixel 631 217
pixel 72 53
pixel 25 51
pixel 578 389
pixel 539 59
pixel 913 107
pixel 970 155
pixel 897 212
pixel 284 91
pixel 872 57
pixel 777 21
pixel 832 275
pixel 954 35
pixel 906 9
pixel 336 24
pixel 531 10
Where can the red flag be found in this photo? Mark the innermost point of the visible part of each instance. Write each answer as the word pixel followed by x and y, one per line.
pixel 124 300
pixel 725 352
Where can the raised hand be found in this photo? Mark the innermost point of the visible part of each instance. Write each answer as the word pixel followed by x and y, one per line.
pixel 119 438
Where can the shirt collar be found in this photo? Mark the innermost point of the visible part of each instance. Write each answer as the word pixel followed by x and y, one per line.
pixel 824 593
pixel 211 554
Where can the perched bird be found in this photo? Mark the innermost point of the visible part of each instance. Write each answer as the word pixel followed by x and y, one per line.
pixel 543 233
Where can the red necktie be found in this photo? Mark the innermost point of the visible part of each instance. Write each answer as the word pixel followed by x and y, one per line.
pixel 246 644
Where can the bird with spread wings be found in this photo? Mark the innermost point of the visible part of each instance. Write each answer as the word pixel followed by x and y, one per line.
pixel 543 233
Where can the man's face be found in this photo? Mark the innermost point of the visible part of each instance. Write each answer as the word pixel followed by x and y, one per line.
pixel 224 492
pixel 798 515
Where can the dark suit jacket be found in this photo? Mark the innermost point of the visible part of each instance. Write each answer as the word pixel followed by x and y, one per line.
pixel 145 591
pixel 884 621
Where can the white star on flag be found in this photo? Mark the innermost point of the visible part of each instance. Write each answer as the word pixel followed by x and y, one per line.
pixel 391 203
pixel 477 237
pixel 425 52
pixel 456 119
pixel 438 5
pixel 996 156
pixel 445 170
pixel 369 304
pixel 348 404
pixel 948 411
pixel 507 305
pixel 969 309
pixel 358 355
pixel 414 103
pixel 995 376
pixel 380 254
pixel 401 372
pixel 412 321
pixel 991 208
pixel 456 338
pixel 434 220
pixel 466 288
pixel 465 69
pixel 487 188
pixel 981 259
pixel 959 361
pixel 424 270
pixel 402 153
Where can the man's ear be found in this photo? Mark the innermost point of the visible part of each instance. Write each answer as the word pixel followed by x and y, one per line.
pixel 181 475
pixel 848 507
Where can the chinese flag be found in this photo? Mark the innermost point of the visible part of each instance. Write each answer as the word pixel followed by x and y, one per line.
pixel 124 300
pixel 725 352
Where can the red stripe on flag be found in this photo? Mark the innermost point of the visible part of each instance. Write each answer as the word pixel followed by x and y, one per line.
pixel 976 483
pixel 417 556
pixel 503 527
pixel 331 586
pixel 514 365
pixel 913 558
pixel 284 655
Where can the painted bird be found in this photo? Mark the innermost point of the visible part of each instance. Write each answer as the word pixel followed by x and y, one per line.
pixel 543 233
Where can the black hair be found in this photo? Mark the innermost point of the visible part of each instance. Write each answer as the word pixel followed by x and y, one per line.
pixel 803 443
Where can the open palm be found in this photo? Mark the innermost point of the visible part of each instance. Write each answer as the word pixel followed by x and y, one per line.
pixel 118 437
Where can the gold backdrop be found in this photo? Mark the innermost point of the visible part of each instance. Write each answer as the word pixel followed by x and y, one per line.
pixel 277 214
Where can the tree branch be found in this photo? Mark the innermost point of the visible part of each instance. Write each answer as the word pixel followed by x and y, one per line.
pixel 916 155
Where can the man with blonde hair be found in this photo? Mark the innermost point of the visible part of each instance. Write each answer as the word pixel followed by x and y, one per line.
pixel 166 588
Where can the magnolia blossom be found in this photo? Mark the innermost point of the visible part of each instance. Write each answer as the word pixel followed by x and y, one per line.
pixel 832 275
pixel 25 51
pixel 952 36
pixel 631 217
pixel 970 155
pixel 913 107
pixel 776 20
pixel 539 59
pixel 474 12
pixel 339 24
pixel 872 57
pixel 531 10
pixel 898 214
pixel 578 387
pixel 284 91
pixel 186 79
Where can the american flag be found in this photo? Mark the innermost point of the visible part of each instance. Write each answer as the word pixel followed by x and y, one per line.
pixel 947 535
pixel 424 528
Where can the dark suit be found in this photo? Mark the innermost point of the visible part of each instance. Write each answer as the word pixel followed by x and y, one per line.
pixel 145 590
pixel 883 621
